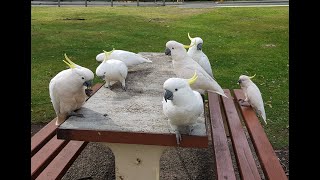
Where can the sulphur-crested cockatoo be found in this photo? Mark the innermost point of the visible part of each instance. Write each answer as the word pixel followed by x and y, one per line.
pixel 112 70
pixel 196 53
pixel 129 58
pixel 184 66
pixel 252 95
pixel 67 90
pixel 181 105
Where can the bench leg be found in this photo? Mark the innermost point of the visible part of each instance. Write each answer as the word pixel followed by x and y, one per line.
pixel 134 161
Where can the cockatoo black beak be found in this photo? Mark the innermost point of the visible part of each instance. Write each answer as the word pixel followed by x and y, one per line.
pixel 239 81
pixel 199 46
pixel 167 52
pixel 168 95
pixel 88 83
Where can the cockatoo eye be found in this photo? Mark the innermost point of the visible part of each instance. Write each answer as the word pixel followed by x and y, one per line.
pixel 172 48
pixel 104 73
pixel 82 77
pixel 176 89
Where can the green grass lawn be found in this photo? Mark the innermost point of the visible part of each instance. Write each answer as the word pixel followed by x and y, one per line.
pixel 236 40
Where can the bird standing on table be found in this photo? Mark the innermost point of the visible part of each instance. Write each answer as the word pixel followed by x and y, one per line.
pixel 67 90
pixel 181 105
pixel 184 66
pixel 252 95
pixel 112 70
pixel 129 58
pixel 196 53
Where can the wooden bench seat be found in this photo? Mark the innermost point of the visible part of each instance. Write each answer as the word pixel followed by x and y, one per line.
pixel 230 110
pixel 52 157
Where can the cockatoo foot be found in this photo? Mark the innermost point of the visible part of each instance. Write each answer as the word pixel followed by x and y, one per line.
pixel 107 86
pixel 243 103
pixel 88 92
pixel 178 137
pixel 124 88
pixel 190 129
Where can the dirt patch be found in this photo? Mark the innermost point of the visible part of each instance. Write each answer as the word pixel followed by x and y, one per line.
pixel 283 155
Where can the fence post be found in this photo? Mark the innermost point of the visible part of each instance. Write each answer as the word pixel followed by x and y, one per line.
pixel 137 2
pixel 111 3
pixel 86 4
pixel 163 2
pixel 58 3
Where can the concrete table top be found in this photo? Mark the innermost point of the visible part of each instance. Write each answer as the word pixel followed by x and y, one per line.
pixel 134 116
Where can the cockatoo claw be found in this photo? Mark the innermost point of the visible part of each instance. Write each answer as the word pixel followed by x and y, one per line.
pixel 243 103
pixel 178 137
pixel 88 92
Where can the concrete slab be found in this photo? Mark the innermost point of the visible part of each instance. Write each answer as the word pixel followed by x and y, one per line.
pixel 137 110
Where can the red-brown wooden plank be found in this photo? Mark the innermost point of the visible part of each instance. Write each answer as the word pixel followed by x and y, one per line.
pixel 43 157
pixel 43 136
pixel 47 132
pixel 132 138
pixel 268 158
pixel 224 167
pixel 62 162
pixel 247 166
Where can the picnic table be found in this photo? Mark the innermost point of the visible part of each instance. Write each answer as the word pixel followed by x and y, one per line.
pixel 131 123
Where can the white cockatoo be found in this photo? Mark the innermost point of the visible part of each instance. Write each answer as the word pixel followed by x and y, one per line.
pixel 196 53
pixel 181 105
pixel 129 58
pixel 112 70
pixel 252 95
pixel 67 90
pixel 184 66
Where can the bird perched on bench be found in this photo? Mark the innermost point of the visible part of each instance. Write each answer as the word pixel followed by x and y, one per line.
pixel 181 105
pixel 67 90
pixel 196 53
pixel 252 95
pixel 184 66
pixel 112 70
pixel 129 58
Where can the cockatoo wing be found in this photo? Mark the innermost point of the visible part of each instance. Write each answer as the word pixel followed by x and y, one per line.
pixel 54 97
pixel 204 81
pixel 255 100
pixel 100 57
pixel 205 64
pixel 199 102
pixel 124 71
pixel 129 58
